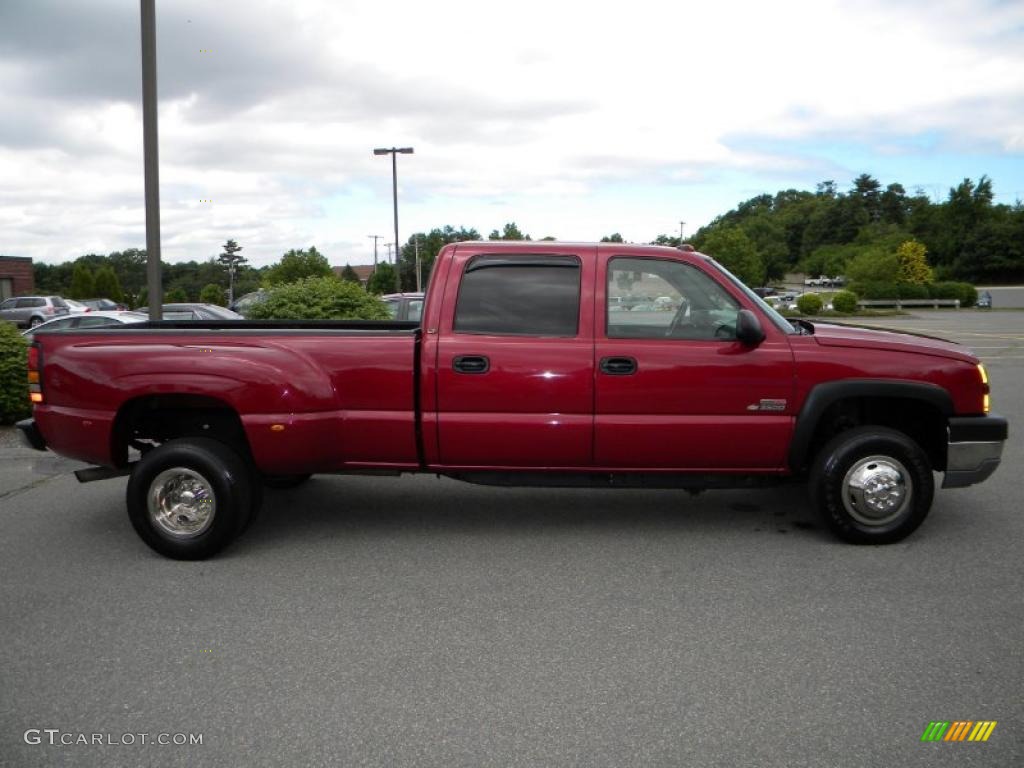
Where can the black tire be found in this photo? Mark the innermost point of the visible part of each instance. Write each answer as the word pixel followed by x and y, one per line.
pixel 35 321
pixel 284 481
pixel 207 470
pixel 882 516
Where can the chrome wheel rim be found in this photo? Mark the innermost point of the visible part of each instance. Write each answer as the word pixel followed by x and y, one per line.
pixel 181 503
pixel 877 490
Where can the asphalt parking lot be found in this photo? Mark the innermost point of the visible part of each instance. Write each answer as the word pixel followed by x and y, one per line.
pixel 422 622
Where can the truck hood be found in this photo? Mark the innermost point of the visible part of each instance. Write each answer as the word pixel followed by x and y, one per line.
pixel 831 335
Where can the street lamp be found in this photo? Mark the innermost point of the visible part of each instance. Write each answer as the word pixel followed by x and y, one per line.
pixel 394 152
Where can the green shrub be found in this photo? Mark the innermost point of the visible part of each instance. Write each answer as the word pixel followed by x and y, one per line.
pixel 845 302
pixel 968 294
pixel 912 291
pixel 319 298
pixel 944 291
pixel 14 403
pixel 809 304
pixel 875 290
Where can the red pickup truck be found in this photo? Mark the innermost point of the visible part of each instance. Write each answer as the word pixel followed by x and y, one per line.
pixel 558 364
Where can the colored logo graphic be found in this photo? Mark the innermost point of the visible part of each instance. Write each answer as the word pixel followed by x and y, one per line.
pixel 958 730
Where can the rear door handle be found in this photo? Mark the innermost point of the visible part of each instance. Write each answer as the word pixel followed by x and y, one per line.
pixel 618 366
pixel 471 364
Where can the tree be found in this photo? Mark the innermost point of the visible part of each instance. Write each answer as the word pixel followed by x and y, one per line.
pixel 176 295
pixel 382 280
pixel 231 260
pixel 107 285
pixel 736 252
pixel 429 246
pixel 873 265
pixel 913 267
pixel 319 298
pixel 298 265
pixel 509 232
pixel 613 238
pixel 349 275
pixel 83 285
pixel 212 294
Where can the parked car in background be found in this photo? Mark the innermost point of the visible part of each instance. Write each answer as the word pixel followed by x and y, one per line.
pixel 76 306
pixel 85 320
pixel 30 311
pixel 984 300
pixel 198 312
pixel 404 306
pixel 247 301
pixel 106 305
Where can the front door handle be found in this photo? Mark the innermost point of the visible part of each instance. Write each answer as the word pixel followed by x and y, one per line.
pixel 471 364
pixel 618 366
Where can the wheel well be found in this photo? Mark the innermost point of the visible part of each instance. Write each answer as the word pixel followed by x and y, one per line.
pixel 924 423
pixel 146 422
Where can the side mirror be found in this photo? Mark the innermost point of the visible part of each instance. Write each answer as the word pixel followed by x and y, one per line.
pixel 748 328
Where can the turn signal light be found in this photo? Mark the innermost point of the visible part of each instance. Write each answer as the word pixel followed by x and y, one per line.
pixel 986 403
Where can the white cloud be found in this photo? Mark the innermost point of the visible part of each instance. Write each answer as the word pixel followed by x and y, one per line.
pixel 574 119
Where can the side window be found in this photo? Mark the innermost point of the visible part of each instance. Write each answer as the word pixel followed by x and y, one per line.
pixel 661 298
pixel 9 304
pixel 530 296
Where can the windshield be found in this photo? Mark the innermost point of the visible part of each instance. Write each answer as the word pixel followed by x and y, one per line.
pixel 778 320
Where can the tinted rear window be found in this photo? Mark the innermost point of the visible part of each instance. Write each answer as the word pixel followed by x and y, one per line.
pixel 59 302
pixel 530 296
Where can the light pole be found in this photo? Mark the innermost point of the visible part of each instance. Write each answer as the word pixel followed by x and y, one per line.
pixel 681 225
pixel 151 161
pixel 394 152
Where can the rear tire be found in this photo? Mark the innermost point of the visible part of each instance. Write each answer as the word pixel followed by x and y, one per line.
pixel 190 497
pixel 872 485
pixel 35 321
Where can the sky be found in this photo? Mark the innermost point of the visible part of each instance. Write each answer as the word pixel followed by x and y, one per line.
pixel 573 119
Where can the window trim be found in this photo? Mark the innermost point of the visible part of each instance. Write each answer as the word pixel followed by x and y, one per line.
pixel 554 261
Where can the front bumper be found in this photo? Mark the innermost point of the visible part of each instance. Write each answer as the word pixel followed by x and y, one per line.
pixel 974 450
pixel 30 434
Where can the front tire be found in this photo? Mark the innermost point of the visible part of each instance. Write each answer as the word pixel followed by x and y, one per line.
pixel 872 485
pixel 190 497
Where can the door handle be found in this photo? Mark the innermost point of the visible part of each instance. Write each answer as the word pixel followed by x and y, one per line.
pixel 618 366
pixel 471 364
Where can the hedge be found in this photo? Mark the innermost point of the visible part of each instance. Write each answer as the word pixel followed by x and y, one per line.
pixel 944 290
pixel 14 403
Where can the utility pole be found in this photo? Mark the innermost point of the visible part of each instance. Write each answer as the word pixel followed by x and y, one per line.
pixel 151 159
pixel 388 246
pixel 681 225
pixel 375 239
